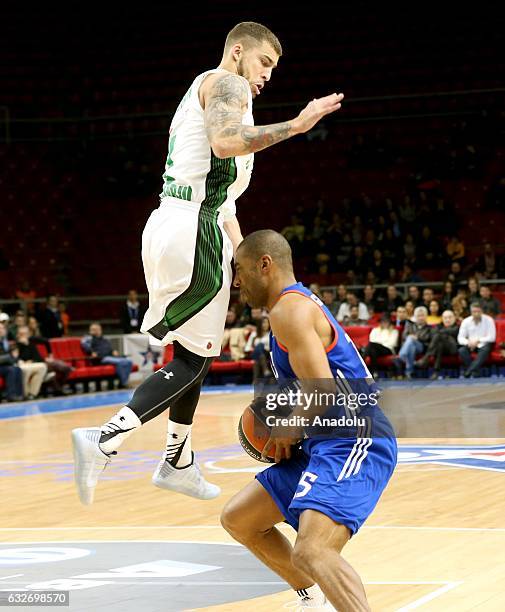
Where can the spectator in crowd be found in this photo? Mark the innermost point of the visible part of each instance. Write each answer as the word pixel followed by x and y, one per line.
pixel 132 313
pixel 428 296
pixel 455 274
pixel 295 234
pixel 359 261
pixel 383 341
pixel 341 294
pixel 9 371
pixel 434 317
pixel 477 335
pixel 473 288
pixel 400 319
pixel 19 321
pixel 447 295
pixel 258 348
pixel 490 304
pixel 354 318
pixel 379 266
pixel 460 307
pixel 96 345
pixel 487 263
pixel 455 249
pixel 26 295
pixel 60 368
pixel 65 317
pixel 345 308
pixel 32 365
pixel 50 321
pixel 409 308
pixel 408 275
pixel 371 300
pixel 393 300
pixel 409 249
pixel 416 338
pixel 235 334
pixel 443 342
pixel 329 301
pixel 415 295
pixel 431 248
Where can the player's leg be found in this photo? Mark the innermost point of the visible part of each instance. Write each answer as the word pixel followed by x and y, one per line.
pixel 93 446
pixel 250 518
pixel 317 552
pixel 177 470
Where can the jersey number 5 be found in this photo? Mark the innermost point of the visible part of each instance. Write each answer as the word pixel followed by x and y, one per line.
pixel 307 486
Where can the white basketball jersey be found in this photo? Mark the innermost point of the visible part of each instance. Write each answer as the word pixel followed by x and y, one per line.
pixel 192 171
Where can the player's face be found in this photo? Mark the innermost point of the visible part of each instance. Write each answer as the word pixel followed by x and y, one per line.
pixel 250 281
pixel 256 64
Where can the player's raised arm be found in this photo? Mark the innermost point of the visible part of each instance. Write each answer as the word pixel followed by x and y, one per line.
pixel 225 102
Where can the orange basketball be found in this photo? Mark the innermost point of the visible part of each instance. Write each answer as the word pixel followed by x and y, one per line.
pixel 253 435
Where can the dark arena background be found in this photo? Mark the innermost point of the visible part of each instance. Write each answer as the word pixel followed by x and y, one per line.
pixel 394 203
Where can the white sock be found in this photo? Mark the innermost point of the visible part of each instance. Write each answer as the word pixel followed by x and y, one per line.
pixel 312 593
pixel 178 451
pixel 120 427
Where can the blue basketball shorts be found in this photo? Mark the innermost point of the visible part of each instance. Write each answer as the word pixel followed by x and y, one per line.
pixel 342 478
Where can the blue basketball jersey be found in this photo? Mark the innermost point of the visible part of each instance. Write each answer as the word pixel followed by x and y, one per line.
pixel 341 473
pixel 343 357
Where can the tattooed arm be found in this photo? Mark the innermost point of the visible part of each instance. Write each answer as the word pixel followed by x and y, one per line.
pixel 225 102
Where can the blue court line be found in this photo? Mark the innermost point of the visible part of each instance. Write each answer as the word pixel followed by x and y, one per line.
pixel 108 398
pixel 93 400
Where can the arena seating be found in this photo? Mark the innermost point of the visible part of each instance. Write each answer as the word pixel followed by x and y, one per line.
pixel 70 350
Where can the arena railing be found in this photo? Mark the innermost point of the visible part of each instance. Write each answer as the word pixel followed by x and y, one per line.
pixel 109 323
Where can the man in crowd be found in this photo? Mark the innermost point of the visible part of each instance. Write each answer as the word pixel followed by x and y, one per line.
pixel 443 342
pixel 32 365
pixel 9 371
pixel 416 338
pixel 132 313
pixel 96 345
pixel 329 301
pixel 51 324
pixel 345 308
pixel 490 305
pixel 393 300
pixel 415 295
pixel 477 335
pixel 354 318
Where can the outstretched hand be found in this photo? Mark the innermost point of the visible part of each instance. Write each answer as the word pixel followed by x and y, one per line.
pixel 316 110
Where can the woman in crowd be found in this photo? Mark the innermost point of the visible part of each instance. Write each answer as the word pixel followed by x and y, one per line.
pixel 434 317
pixel 383 341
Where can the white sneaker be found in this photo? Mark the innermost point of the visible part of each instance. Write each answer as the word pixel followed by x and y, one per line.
pixel 89 461
pixel 188 480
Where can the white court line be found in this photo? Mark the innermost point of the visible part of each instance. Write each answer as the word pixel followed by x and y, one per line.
pixel 429 597
pixel 157 527
pixel 13 576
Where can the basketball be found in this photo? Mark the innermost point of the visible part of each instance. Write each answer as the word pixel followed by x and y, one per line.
pixel 253 435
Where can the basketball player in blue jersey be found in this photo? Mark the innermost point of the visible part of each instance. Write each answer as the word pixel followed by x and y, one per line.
pixel 327 486
pixel 187 248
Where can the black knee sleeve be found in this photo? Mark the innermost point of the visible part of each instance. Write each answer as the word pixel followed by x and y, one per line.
pixel 170 385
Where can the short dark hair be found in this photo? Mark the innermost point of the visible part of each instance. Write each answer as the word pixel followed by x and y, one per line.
pixel 268 242
pixel 476 305
pixel 255 31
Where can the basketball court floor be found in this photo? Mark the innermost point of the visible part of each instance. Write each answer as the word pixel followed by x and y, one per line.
pixel 436 540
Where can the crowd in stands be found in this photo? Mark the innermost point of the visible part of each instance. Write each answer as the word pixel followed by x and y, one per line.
pixel 26 359
pixel 418 330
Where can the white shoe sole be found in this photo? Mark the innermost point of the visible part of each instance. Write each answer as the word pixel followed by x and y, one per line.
pixel 179 486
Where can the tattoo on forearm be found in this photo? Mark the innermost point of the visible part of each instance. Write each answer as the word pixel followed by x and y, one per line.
pixel 223 118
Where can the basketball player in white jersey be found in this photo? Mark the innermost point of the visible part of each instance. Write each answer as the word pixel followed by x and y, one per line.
pixel 187 247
